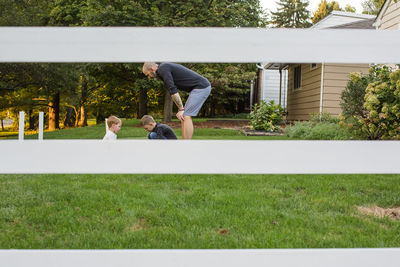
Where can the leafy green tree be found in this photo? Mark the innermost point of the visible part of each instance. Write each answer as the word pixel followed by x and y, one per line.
pixel 33 83
pixel 291 14
pixel 231 87
pixel 372 6
pixel 24 12
pixel 82 89
pixel 350 8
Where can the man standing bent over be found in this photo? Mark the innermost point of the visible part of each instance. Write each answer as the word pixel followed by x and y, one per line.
pixel 176 77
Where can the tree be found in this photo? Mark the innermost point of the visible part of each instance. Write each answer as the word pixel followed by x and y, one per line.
pixel 34 84
pixel 24 12
pixel 291 14
pixel 372 6
pixel 231 87
pixel 324 9
pixel 120 89
pixel 350 8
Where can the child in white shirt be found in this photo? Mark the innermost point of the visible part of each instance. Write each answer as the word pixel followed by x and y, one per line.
pixel 113 126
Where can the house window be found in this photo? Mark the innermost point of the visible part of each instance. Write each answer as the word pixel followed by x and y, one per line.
pixel 297 77
pixel 313 66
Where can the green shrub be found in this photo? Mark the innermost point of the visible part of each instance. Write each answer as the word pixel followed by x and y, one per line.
pixel 380 115
pixel 322 126
pixel 266 116
pixel 307 130
pixel 323 117
pixel 353 95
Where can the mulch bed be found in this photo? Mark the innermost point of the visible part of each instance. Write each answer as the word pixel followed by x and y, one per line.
pixel 216 124
pixel 242 125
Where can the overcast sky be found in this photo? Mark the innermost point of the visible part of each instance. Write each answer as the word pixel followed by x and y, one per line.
pixel 271 4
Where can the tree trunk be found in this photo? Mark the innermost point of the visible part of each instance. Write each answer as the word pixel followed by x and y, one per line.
pixel 167 107
pixel 83 117
pixel 57 110
pixel 31 120
pixel 52 116
pixel 76 119
pixel 54 113
pixel 100 117
pixel 68 117
pixel 204 110
pixel 83 112
pixel 142 102
pixel 2 125
pixel 212 110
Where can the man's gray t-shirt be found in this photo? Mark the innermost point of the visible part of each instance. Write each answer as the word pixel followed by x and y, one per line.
pixel 176 77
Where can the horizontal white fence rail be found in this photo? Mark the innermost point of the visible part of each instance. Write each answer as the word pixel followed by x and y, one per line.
pixel 138 44
pixel 135 44
pixel 202 258
pixel 199 156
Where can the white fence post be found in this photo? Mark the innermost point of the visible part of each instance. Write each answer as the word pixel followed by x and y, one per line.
pixel 21 126
pixel 41 120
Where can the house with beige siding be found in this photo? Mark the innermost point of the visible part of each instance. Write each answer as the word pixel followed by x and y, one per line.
pixel 389 19
pixel 389 16
pixel 314 88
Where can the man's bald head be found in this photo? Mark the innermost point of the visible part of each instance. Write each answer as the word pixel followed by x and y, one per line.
pixel 149 69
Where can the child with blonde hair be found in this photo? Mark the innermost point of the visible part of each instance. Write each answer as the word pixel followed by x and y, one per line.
pixel 113 125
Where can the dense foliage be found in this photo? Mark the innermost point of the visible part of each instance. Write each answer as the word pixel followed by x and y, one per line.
pixel 378 114
pixel 266 116
pixel 321 127
pixel 71 92
pixel 291 14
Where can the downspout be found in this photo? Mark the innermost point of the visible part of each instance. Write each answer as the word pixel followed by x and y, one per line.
pixel 280 86
pixel 260 83
pixel 251 94
pixel 322 89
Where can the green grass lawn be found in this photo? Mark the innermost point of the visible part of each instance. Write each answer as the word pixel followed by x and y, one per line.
pixel 130 131
pixel 196 211
pixel 193 211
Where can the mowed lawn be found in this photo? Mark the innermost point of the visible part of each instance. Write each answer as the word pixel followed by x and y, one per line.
pixel 193 211
pixel 131 130
pixel 196 211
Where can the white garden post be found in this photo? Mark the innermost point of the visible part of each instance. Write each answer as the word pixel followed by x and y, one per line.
pixel 41 119
pixel 21 126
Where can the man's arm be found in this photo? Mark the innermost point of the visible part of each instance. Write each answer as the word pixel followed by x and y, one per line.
pixel 178 102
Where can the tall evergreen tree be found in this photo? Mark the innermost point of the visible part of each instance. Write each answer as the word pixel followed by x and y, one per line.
pixel 291 14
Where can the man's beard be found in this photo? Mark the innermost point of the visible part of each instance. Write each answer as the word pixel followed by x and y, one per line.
pixel 153 75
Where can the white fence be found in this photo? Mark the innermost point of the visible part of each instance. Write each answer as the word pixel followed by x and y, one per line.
pixel 134 156
pixel 199 156
pixel 202 258
pixel 127 44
